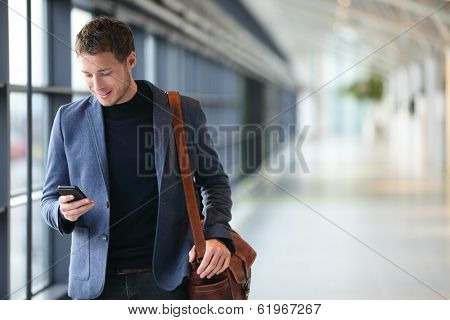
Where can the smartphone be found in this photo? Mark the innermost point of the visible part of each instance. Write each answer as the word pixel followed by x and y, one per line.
pixel 71 190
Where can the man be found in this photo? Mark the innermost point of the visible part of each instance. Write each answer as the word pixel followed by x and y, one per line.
pixel 131 237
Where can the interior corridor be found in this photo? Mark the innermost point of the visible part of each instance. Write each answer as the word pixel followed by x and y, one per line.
pixel 361 224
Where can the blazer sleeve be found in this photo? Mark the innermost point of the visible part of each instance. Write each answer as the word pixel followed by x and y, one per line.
pixel 57 174
pixel 214 184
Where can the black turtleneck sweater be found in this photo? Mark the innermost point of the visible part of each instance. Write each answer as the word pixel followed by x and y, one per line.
pixel 132 180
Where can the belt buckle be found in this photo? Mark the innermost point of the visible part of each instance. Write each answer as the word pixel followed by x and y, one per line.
pixel 120 273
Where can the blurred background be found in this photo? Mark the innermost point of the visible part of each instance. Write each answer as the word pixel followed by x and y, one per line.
pixel 331 118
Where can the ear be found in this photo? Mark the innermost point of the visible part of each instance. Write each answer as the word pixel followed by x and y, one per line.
pixel 131 60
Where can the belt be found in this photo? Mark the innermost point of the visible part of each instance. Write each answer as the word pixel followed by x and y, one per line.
pixel 122 271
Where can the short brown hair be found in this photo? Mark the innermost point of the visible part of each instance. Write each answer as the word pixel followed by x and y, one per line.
pixel 105 34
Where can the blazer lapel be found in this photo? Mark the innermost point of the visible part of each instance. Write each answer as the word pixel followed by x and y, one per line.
pixel 162 125
pixel 95 118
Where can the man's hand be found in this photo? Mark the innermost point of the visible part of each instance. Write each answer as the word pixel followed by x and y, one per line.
pixel 216 260
pixel 72 210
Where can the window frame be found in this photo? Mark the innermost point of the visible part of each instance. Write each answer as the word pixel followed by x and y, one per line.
pixel 4 153
pixel 58 92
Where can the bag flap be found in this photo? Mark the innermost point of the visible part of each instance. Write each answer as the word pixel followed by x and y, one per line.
pixel 242 260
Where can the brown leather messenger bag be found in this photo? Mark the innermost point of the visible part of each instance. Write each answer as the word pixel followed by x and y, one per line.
pixel 234 282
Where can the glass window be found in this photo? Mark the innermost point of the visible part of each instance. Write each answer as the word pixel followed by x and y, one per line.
pixel 18 136
pixel 17 14
pixel 40 250
pixel 41 136
pixel 39 43
pixel 17 30
pixel 150 58
pixel 18 252
pixel 78 19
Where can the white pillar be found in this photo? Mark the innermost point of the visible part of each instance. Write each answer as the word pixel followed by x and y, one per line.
pixel 447 110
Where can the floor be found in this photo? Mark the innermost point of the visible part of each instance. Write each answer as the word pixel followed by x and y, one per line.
pixel 361 221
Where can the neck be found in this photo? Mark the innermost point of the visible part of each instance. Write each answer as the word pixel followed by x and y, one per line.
pixel 132 89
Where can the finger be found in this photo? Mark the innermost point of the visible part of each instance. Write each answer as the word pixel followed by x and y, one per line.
pixel 226 264
pixel 66 209
pixel 192 254
pixel 77 204
pixel 79 211
pixel 75 216
pixel 81 202
pixel 66 199
pixel 205 261
pixel 218 266
pixel 70 205
pixel 211 266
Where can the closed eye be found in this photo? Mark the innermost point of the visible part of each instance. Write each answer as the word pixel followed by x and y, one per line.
pixel 102 73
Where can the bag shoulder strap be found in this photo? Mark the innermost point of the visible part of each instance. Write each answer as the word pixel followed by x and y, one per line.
pixel 186 174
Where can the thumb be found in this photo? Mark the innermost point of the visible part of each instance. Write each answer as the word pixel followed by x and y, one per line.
pixel 192 254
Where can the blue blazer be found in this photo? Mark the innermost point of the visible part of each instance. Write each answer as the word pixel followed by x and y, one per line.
pixel 77 156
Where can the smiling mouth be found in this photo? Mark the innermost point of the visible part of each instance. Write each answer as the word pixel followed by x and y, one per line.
pixel 103 96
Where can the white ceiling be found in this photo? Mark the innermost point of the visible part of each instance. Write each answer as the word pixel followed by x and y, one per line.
pixel 400 27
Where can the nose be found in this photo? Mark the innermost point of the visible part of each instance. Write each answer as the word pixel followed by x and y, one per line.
pixel 98 83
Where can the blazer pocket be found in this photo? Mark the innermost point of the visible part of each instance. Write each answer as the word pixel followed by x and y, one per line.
pixel 79 254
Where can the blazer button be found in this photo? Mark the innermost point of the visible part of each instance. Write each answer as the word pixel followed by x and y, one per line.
pixel 107 204
pixel 105 237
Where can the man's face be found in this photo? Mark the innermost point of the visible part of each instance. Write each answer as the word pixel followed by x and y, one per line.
pixel 107 78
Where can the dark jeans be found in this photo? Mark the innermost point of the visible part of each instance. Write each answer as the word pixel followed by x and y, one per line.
pixel 139 286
